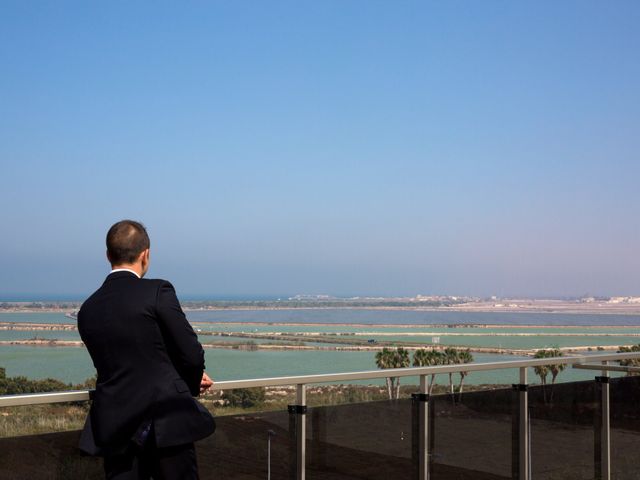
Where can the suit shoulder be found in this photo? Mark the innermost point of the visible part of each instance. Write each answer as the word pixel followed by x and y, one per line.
pixel 157 282
pixel 88 302
pixel 159 286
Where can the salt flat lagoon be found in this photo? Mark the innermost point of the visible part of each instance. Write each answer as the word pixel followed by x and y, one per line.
pixel 507 330
pixel 374 317
pixel 74 365
pixel 409 317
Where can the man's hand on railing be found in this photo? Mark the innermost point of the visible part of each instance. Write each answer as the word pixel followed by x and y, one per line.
pixel 205 384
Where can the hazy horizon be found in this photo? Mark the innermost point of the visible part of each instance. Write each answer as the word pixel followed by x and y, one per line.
pixel 334 147
pixel 79 297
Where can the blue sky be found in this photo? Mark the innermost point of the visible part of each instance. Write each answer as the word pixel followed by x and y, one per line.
pixel 341 147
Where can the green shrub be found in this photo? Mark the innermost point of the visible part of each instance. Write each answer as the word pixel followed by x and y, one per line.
pixel 19 385
pixel 244 397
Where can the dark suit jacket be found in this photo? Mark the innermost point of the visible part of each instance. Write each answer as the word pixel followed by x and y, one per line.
pixel 149 364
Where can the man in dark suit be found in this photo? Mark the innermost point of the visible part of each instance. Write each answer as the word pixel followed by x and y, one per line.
pixel 143 418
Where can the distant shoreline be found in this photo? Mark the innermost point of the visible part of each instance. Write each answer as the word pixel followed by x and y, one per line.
pixel 548 308
pixel 30 326
pixel 4 325
pixel 337 348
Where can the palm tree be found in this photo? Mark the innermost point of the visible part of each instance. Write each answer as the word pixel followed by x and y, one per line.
pixel 557 368
pixel 541 370
pixel 464 356
pixel 400 360
pixel 427 358
pixel 388 358
pixel 451 358
pixel 435 358
pixel 383 361
pixel 421 358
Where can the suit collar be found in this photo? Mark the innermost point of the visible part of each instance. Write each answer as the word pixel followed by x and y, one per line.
pixel 125 270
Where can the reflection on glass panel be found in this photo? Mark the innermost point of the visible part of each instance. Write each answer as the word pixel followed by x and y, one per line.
pixel 245 446
pixel 625 427
pixel 51 455
pixel 365 440
pixel 238 450
pixel 562 430
pixel 35 419
pixel 471 435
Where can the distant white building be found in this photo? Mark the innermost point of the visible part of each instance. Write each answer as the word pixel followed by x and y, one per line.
pixel 618 300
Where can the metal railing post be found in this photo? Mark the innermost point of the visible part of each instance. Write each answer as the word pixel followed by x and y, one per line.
pixel 420 405
pixel 521 446
pixel 298 433
pixel 602 430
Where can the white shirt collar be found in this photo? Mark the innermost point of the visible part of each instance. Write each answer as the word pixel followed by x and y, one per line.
pixel 124 270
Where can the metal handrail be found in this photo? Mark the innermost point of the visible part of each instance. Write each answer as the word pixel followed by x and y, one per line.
pixel 607 368
pixel 44 398
pixel 83 395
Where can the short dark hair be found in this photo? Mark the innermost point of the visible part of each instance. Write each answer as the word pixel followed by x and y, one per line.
pixel 126 240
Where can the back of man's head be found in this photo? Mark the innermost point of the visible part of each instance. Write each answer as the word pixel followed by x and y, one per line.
pixel 126 240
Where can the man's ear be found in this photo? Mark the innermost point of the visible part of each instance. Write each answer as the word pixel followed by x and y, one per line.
pixel 109 258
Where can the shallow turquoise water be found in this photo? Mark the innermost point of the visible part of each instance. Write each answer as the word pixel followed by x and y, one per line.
pixel 73 364
pixel 30 334
pixel 28 317
pixel 616 337
pixel 253 328
pixel 69 364
pixel 374 317
pixel 218 339
pixel 413 317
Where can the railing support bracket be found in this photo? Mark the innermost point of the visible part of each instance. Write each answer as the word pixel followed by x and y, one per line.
pixel 298 433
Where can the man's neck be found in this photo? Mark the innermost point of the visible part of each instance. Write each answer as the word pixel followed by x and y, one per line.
pixel 135 269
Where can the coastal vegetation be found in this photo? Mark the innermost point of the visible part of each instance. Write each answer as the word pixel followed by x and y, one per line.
pixel 392 358
pixel 464 356
pixel 427 358
pixel 244 397
pixel 21 385
pixel 399 358
pixel 630 362
pixel 543 370
pixel 33 419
